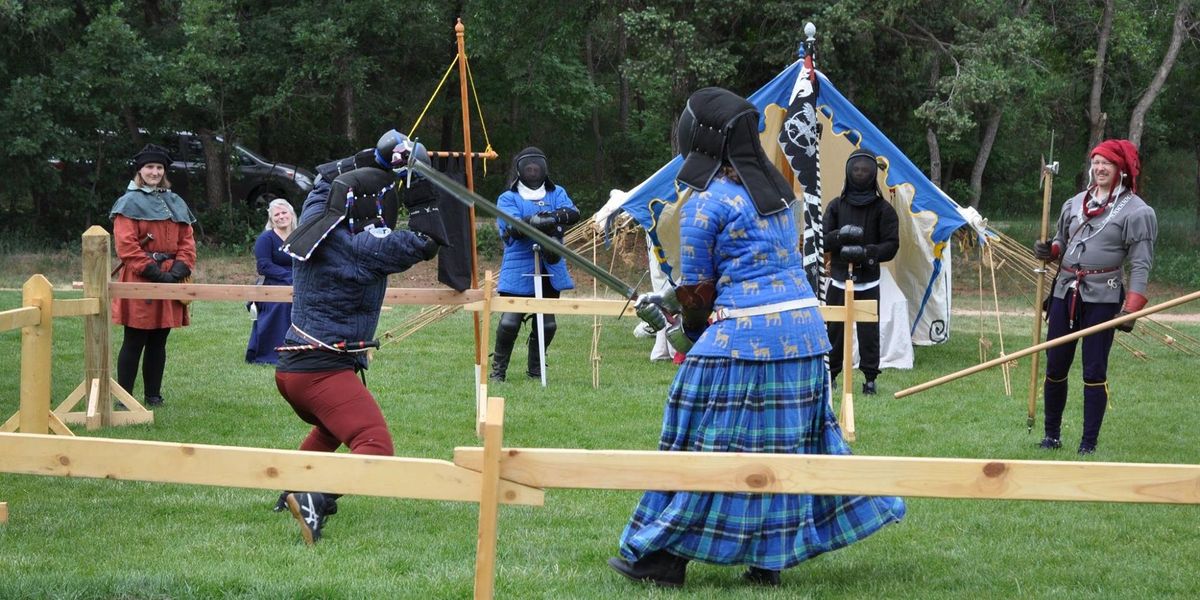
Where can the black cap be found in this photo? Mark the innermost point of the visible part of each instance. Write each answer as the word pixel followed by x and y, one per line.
pixel 152 153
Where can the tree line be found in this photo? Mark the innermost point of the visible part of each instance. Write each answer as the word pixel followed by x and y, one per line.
pixel 972 90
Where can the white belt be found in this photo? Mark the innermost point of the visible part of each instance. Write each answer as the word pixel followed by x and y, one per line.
pixel 732 313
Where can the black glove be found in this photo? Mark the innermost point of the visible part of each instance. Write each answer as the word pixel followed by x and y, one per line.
pixel 423 214
pixel 1042 250
pixel 850 235
pixel 550 256
pixel 1127 326
pixel 512 233
pixel 180 271
pixel 429 248
pixel 156 275
pixel 545 222
pixel 854 254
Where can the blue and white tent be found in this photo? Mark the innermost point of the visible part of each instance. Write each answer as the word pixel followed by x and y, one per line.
pixel 928 217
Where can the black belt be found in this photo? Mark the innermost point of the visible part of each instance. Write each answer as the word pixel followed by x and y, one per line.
pixel 161 256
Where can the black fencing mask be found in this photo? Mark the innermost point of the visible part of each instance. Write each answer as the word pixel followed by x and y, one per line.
pixel 720 128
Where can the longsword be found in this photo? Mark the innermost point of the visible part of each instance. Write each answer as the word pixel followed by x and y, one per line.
pixel 539 318
pixel 470 198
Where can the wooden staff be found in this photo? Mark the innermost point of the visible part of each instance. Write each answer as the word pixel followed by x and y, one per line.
pixel 1050 344
pixel 1048 173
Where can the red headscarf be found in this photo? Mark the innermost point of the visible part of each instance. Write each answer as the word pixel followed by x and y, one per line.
pixel 1123 154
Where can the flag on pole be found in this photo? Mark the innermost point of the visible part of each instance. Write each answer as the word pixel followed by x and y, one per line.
pixel 800 140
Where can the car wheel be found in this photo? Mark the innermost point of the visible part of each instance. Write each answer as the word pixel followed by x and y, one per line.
pixel 261 198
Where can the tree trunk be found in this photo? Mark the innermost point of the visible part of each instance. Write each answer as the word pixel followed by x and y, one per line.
pixel 345 106
pixel 214 176
pixel 1137 120
pixel 622 79
pixel 931 137
pixel 1096 116
pixel 1196 225
pixel 597 162
pixel 935 156
pixel 985 150
pixel 131 125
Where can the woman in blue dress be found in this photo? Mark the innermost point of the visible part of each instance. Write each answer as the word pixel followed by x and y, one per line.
pixel 754 379
pixel 275 267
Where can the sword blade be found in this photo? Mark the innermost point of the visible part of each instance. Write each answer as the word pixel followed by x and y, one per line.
pixel 466 196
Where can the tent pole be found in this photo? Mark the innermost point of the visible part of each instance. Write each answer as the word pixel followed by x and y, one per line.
pixel 460 34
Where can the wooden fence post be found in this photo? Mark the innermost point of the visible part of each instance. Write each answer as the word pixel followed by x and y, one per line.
pixel 36 344
pixel 97 266
pixel 485 322
pixel 489 500
pixel 848 331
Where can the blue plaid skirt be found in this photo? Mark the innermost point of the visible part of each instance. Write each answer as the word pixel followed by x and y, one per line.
pixel 730 405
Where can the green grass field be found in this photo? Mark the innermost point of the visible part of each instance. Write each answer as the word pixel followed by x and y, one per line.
pixel 80 538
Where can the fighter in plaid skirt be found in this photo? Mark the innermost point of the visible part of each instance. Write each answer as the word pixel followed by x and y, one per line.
pixel 753 379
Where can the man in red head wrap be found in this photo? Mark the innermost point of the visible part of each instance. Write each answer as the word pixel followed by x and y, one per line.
pixel 1099 231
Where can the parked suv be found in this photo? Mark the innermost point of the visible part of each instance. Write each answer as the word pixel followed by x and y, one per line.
pixel 254 179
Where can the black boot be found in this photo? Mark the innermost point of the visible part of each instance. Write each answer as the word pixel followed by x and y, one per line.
pixel 660 568
pixel 499 366
pixel 759 576
pixel 535 362
pixel 506 337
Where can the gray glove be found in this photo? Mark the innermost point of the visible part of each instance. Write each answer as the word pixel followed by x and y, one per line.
pixel 649 309
pixel 659 310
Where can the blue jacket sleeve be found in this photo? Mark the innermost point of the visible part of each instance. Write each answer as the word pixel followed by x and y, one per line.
pixel 506 203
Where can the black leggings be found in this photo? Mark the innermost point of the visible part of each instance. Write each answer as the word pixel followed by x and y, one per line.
pixel 154 341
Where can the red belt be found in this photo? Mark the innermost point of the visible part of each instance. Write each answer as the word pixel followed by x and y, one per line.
pixel 1085 272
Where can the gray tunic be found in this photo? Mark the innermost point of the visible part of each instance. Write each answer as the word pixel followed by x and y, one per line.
pixel 1123 233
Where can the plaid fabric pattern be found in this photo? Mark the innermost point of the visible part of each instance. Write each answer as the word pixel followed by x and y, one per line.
pixel 730 405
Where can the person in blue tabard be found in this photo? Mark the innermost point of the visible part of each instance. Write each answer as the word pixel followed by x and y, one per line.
pixel 754 378
pixel 534 198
